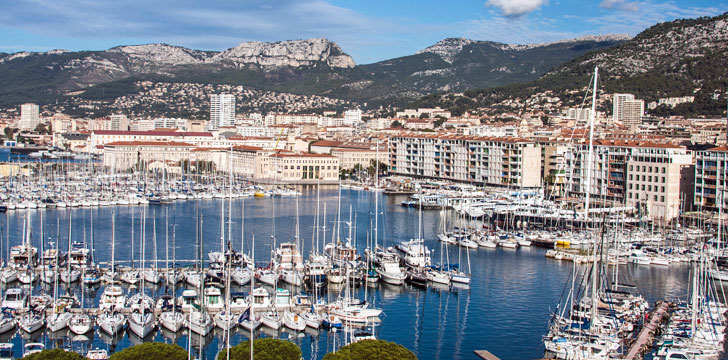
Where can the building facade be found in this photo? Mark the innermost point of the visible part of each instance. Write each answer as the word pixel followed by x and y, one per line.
pixel 222 110
pixel 29 116
pixel 508 162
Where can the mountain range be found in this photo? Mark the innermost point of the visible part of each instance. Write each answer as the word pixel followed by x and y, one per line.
pixel 309 67
pixel 684 57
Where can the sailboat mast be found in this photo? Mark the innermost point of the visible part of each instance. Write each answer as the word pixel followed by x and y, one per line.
pixel 591 145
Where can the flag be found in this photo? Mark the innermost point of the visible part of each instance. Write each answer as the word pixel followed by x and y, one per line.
pixel 245 316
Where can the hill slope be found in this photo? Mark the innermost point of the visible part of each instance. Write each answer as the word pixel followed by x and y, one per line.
pixel 308 67
pixel 677 58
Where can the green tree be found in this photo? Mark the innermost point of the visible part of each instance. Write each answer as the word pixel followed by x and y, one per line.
pixel 372 350
pixel 55 354
pixel 43 129
pixel 396 124
pixel 10 132
pixel 263 349
pixel 151 351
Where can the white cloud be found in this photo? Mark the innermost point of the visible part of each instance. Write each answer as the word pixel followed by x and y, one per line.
pixel 514 8
pixel 515 30
pixel 617 19
pixel 629 6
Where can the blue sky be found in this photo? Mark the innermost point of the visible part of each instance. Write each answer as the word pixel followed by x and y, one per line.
pixel 369 30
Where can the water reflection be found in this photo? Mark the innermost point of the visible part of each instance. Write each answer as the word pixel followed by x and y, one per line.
pixel 505 309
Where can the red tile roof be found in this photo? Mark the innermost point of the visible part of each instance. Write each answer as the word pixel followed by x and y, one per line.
pixel 150 143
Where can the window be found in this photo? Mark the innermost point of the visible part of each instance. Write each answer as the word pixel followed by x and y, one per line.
pixel 662 188
pixel 663 170
pixel 655 197
pixel 649 187
pixel 643 187
pixel 662 198
pixel 630 195
pixel 663 179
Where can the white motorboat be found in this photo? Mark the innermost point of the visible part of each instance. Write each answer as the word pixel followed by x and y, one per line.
pixel 112 298
pixel 247 323
pixel 15 299
pixel 141 323
pixel 6 351
pixel 172 320
pixel 189 300
pixel 438 276
pixel 390 272
pixel 225 320
pixel 241 276
pixel 312 319
pixel 71 276
pixel 271 320
pixel 7 323
pixel 639 257
pixel 200 323
pixel 32 348
pixel 58 321
pixel 31 322
pixel 111 323
pixel 97 354
pixel 266 276
pixel 294 321
pixel 80 324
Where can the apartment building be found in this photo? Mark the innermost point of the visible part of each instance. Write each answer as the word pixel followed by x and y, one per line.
pixel 652 178
pixel 490 161
pixel 711 179
pixel 349 158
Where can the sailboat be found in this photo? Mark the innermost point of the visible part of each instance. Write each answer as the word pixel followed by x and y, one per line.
pixel 142 321
pixel 60 317
pixel 112 299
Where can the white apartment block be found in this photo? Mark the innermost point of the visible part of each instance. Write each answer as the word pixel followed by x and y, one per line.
pixel 29 116
pixel 119 122
pixel 493 131
pixel 711 179
pixel 349 158
pixel 139 125
pixel 222 110
pixel 491 161
pixel 418 112
pixel 170 123
pixel 352 116
pixel 578 114
pixel 627 110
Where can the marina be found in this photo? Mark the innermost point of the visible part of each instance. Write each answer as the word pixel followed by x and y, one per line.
pixel 507 302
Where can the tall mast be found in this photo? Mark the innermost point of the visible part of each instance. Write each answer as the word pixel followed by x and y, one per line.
pixel 591 146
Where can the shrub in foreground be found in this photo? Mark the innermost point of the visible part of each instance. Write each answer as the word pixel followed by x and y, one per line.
pixel 151 351
pixel 263 349
pixel 372 350
pixel 54 354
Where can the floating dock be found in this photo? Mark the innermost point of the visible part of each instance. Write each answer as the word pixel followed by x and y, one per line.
pixel 644 339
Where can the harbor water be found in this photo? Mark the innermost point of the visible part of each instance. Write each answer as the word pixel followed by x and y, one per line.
pixel 505 310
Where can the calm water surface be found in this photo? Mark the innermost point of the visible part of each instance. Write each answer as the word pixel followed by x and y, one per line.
pixel 505 310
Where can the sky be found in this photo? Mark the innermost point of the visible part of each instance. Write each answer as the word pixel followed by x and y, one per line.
pixel 368 30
